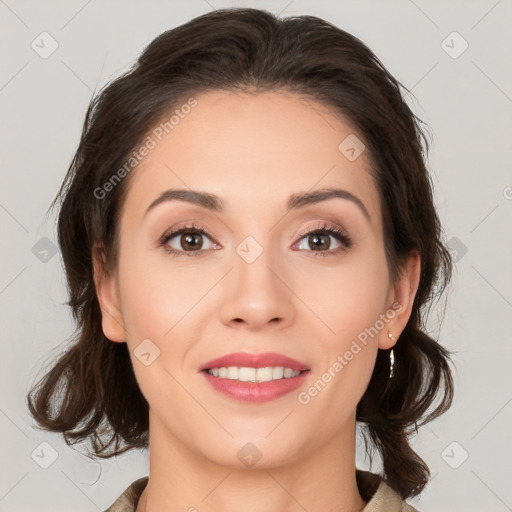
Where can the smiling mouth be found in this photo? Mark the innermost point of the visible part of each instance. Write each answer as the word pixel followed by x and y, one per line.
pixel 256 375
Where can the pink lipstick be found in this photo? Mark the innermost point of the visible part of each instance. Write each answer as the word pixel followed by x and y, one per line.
pixel 254 377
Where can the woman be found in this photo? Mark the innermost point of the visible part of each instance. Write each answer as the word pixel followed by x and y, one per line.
pixel 250 242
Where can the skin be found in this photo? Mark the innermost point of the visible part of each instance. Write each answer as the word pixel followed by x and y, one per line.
pixel 254 151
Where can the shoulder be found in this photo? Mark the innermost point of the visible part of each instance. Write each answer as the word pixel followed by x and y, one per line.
pixel 380 497
pixel 128 500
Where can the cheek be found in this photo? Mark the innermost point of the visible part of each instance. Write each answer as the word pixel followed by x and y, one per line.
pixel 165 303
pixel 347 299
pixel 157 304
pixel 350 313
pixel 155 295
pixel 351 304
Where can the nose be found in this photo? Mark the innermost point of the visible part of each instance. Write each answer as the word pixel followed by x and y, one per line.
pixel 257 295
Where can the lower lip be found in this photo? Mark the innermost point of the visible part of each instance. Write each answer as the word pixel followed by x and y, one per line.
pixel 255 391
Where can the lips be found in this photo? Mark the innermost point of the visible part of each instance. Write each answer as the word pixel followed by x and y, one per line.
pixel 245 359
pixel 255 392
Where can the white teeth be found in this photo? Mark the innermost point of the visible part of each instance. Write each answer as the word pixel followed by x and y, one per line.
pixel 245 374
pixel 232 372
pixel 264 374
pixel 277 372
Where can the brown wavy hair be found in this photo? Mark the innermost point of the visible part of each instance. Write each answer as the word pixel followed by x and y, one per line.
pixel 90 392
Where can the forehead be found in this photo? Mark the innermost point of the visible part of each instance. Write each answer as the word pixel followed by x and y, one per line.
pixel 253 149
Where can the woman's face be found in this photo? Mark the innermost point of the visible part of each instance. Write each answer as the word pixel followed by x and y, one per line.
pixel 256 282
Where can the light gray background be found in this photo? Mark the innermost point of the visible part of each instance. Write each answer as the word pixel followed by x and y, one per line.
pixel 467 101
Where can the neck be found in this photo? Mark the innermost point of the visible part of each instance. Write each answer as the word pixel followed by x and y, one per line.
pixel 182 480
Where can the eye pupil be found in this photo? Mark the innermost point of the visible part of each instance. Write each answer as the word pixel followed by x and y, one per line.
pixel 187 241
pixel 318 242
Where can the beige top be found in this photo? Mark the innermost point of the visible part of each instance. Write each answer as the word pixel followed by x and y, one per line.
pixel 373 489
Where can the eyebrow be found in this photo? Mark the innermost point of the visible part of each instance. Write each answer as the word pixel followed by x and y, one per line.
pixel 214 203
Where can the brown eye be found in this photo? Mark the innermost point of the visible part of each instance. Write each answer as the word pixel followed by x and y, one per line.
pixel 188 241
pixel 319 241
pixel 191 240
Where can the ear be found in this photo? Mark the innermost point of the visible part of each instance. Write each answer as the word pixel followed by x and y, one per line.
pixel 106 290
pixel 401 301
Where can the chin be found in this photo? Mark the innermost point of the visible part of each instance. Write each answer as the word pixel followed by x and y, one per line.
pixel 252 453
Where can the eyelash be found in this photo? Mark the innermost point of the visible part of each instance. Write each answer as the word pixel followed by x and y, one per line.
pixel 338 234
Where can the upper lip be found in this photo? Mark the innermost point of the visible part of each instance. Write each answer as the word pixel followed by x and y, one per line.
pixel 245 359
